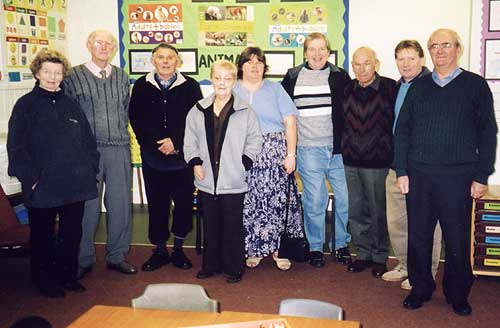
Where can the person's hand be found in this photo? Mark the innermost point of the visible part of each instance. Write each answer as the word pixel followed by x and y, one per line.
pixel 403 184
pixel 289 164
pixel 477 190
pixel 198 172
pixel 167 146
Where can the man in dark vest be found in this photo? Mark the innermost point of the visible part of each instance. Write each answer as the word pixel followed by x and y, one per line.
pixel 368 116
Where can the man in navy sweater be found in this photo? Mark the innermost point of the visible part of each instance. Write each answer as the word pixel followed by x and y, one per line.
pixel 445 147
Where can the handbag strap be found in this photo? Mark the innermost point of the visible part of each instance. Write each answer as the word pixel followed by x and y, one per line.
pixel 287 204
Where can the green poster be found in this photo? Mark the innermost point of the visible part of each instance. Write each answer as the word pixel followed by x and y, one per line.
pixel 211 30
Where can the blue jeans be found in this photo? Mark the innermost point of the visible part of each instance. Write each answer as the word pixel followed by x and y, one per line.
pixel 313 165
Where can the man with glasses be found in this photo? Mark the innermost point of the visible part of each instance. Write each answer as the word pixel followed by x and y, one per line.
pixel 102 90
pixel 445 147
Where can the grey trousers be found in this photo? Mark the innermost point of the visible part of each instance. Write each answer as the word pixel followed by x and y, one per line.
pixel 115 172
pixel 397 224
pixel 367 213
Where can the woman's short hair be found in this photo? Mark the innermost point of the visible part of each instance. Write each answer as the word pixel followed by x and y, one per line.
pixel 409 44
pixel 225 65
pixel 50 56
pixel 246 55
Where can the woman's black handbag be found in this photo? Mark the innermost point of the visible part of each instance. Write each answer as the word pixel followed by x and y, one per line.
pixel 293 248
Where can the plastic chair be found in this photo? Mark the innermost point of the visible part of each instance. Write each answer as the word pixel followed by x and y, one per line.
pixel 310 308
pixel 184 297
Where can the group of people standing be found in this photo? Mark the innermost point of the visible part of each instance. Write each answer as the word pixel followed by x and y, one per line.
pixel 425 143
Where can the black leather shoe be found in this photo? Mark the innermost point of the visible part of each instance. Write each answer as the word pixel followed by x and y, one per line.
pixel 204 274
pixel 123 267
pixel 316 259
pixel 343 256
pixel 156 261
pixel 73 286
pixel 359 265
pixel 234 278
pixel 462 308
pixel 82 271
pixel 378 269
pixel 413 302
pixel 180 260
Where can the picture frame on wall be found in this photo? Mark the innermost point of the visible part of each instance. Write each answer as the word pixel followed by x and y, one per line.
pixel 189 58
pixel 333 57
pixel 139 61
pixel 279 62
pixel 492 59
pixel 494 16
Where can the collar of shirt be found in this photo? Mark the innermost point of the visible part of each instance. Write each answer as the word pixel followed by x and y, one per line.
pixel 96 70
pixel 447 79
pixel 165 84
pixel 374 85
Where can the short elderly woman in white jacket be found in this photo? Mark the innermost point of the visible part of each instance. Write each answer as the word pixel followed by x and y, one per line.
pixel 221 142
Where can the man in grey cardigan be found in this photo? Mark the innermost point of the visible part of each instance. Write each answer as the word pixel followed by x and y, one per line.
pixel 102 90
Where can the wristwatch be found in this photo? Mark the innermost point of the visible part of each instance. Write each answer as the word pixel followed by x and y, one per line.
pixel 291 155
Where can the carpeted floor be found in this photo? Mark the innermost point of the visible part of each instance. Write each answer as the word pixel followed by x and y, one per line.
pixel 371 301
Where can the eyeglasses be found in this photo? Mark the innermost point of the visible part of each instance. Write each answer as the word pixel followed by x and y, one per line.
pixel 444 45
pixel 102 44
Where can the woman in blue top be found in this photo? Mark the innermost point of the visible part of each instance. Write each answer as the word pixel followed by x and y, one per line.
pixel 264 206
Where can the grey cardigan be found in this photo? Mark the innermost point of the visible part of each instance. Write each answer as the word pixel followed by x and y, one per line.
pixel 242 138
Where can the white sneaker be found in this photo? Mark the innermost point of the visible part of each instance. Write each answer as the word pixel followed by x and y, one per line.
pixel 406 284
pixel 396 274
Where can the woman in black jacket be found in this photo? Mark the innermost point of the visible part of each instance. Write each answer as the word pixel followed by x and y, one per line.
pixel 53 153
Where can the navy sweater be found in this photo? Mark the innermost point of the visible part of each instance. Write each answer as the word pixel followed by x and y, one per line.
pixel 450 129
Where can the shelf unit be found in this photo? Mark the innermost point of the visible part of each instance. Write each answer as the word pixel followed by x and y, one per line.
pixel 494 195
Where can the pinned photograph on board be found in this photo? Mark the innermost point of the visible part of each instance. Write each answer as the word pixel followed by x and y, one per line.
pixel 214 13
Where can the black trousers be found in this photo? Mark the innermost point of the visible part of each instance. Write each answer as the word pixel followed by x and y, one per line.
pixel 224 240
pixel 443 197
pixel 161 188
pixel 55 257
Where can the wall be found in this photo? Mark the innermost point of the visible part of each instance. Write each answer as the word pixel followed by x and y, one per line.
pixel 381 24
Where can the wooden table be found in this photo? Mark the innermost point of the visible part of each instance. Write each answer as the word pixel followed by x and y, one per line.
pixel 115 316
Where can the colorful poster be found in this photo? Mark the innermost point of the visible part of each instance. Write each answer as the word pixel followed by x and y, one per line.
pixel 31 25
pixel 222 26
pixel 155 23
pixel 290 24
pixel 208 31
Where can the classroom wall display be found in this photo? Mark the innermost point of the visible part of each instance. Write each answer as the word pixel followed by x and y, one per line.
pixel 490 41
pixel 206 31
pixel 27 27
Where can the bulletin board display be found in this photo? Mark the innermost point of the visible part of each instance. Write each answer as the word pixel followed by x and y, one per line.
pixel 206 31
pixel 27 26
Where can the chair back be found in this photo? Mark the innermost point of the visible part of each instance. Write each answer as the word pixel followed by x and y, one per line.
pixel 184 297
pixel 12 233
pixel 310 308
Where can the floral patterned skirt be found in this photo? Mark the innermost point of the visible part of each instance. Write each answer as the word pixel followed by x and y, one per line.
pixel 265 201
